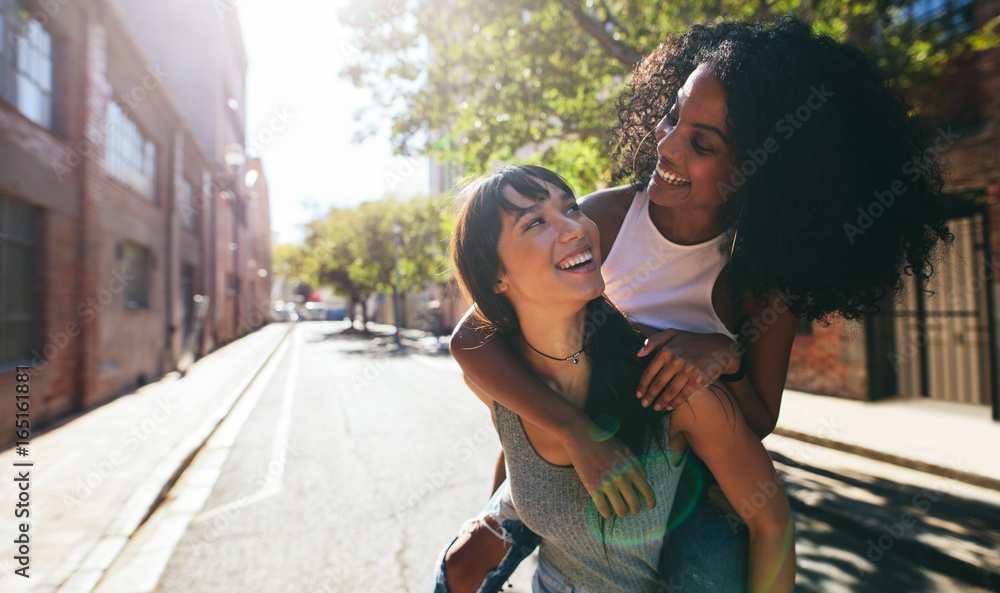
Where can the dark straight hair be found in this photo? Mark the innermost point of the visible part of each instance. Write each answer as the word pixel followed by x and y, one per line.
pixel 612 340
pixel 477 230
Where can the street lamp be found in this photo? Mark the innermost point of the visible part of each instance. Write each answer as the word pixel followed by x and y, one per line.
pixel 397 229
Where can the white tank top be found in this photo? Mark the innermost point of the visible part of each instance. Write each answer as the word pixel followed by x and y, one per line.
pixel 659 283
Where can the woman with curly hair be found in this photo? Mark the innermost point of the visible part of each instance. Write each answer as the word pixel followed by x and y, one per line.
pixel 526 254
pixel 771 179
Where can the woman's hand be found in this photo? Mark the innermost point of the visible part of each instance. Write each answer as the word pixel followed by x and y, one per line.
pixel 611 473
pixel 685 363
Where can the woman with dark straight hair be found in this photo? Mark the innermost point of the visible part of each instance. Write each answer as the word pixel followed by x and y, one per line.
pixel 525 253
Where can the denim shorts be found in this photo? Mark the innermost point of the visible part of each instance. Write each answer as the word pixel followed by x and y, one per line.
pixel 523 542
pixel 549 580
pixel 708 546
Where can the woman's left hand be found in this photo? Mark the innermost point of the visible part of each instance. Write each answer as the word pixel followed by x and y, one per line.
pixel 685 363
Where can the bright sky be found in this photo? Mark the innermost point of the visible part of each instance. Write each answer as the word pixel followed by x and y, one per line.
pixel 294 54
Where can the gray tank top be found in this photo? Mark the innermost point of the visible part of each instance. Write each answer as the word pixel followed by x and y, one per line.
pixel 553 503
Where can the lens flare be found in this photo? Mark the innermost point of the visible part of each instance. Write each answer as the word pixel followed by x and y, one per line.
pixel 604 427
pixel 626 531
pixel 689 490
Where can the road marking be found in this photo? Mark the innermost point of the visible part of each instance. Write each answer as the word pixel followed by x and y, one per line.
pixel 279 448
pixel 143 559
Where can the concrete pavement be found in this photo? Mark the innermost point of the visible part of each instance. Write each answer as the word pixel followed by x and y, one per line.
pixel 99 476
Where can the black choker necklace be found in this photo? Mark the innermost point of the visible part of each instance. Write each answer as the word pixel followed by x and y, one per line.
pixel 567 359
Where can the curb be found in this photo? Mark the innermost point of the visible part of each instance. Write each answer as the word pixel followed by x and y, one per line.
pixel 921 466
pixel 147 496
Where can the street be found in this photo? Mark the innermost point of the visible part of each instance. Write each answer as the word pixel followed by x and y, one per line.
pixel 357 465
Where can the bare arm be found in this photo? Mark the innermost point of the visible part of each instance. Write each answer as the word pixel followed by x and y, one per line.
pixel 500 473
pixel 489 364
pixel 717 432
pixel 608 469
pixel 688 361
pixel 767 338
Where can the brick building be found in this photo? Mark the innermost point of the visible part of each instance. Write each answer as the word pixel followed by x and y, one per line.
pixel 112 195
pixel 941 346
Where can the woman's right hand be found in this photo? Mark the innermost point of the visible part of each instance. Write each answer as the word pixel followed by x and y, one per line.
pixel 610 472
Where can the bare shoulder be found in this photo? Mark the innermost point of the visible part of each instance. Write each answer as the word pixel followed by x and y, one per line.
pixel 608 202
pixel 607 208
pixel 709 409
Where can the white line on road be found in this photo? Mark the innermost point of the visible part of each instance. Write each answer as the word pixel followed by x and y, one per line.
pixel 279 449
pixel 145 557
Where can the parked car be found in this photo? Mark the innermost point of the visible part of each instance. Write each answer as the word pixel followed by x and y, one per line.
pixel 337 314
pixel 314 312
pixel 283 311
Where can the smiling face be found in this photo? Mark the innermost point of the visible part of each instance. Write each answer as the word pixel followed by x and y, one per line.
pixel 549 251
pixel 693 146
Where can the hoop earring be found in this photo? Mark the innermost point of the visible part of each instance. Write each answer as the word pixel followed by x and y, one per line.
pixel 736 230
pixel 640 146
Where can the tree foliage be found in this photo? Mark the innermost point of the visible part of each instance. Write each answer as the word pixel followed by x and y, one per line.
pixel 351 250
pixel 487 81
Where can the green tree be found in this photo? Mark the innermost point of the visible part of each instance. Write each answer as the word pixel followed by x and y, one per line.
pixel 291 263
pixel 478 81
pixel 351 250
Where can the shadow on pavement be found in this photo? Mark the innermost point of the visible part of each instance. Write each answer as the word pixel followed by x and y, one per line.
pixel 856 532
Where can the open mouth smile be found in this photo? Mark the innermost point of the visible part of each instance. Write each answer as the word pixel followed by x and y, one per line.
pixel 670 178
pixel 582 261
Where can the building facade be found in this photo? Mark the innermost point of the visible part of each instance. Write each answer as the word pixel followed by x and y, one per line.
pixel 941 344
pixel 110 201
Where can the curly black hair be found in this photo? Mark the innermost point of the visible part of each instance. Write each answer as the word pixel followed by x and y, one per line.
pixel 835 192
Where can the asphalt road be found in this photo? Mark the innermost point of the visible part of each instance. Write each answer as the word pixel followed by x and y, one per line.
pixel 357 466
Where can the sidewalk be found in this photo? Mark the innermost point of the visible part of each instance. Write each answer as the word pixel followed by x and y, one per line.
pixel 97 477
pixel 948 439
pixel 915 476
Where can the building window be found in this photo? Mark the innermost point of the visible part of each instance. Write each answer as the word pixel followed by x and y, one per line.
pixel 25 63
pixel 131 157
pixel 186 206
pixel 137 265
pixel 19 263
